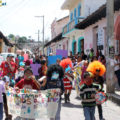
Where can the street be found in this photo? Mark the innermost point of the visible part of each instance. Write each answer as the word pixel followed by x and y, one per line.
pixel 74 111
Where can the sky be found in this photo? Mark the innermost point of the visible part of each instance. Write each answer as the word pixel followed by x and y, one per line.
pixel 18 17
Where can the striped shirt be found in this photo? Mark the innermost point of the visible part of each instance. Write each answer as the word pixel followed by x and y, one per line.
pixel 86 92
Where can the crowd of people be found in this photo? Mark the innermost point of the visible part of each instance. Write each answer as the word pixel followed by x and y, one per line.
pixel 17 73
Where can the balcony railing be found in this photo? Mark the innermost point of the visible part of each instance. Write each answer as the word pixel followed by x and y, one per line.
pixel 71 25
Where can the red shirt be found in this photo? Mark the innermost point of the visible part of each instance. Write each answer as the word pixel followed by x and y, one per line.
pixel 6 68
pixel 29 84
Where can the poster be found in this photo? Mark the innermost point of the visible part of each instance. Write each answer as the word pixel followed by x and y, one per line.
pixel 25 57
pixel 53 59
pixel 33 104
pixel 63 53
pixel 77 77
pixel 35 68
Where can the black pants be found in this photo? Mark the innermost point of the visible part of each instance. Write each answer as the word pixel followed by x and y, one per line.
pixel 117 73
pixel 100 111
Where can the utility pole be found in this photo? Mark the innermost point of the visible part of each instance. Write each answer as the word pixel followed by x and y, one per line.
pixel 38 41
pixel 43 35
pixel 110 49
pixel 43 30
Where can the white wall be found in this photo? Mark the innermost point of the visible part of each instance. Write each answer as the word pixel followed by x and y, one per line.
pixel 91 6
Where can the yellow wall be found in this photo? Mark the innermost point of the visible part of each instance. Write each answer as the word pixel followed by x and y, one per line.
pixel 1 45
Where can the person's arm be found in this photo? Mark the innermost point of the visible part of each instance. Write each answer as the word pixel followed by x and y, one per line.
pixel 36 83
pixel 20 84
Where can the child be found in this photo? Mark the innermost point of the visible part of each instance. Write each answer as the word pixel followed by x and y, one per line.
pixel 84 67
pixel 87 93
pixel 28 82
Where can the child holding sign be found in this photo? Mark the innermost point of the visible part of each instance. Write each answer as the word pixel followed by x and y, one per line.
pixel 28 82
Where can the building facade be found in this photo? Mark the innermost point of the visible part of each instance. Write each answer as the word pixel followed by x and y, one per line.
pixel 78 11
pixel 95 30
pixel 57 42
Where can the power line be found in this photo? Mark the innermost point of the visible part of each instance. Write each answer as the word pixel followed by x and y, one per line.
pixel 17 9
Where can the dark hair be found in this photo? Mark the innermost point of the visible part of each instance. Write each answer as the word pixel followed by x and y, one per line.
pixel 43 62
pixel 103 57
pixel 86 74
pixel 57 68
pixel 28 69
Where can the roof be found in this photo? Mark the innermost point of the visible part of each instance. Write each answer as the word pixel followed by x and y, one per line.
pixel 57 38
pixel 5 40
pixel 62 18
pixel 97 15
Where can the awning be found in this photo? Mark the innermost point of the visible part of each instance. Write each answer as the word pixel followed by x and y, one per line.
pixel 57 38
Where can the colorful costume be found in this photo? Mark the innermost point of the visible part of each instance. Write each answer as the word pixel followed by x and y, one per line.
pixel 67 63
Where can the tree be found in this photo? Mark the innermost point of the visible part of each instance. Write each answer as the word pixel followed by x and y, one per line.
pixel 11 37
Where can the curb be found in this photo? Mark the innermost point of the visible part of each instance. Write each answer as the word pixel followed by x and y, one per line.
pixel 114 98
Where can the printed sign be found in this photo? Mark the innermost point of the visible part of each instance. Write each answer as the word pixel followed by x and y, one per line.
pixel 53 59
pixel 33 104
pixel 63 53
pixel 100 37
pixel 35 68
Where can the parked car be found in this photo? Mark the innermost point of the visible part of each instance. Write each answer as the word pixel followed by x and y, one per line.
pixel 3 56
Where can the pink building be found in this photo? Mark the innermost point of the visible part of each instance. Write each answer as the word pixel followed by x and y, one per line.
pixel 57 42
pixel 94 27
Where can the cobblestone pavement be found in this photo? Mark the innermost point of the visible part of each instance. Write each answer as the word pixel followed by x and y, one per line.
pixel 74 110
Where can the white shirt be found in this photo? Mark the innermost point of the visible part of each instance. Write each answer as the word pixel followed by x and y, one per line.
pixel 117 67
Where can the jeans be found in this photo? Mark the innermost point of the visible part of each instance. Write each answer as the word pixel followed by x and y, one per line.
pixel 117 73
pixel 100 111
pixel 1 111
pixel 89 113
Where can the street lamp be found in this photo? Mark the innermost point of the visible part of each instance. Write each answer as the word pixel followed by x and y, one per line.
pixel 43 30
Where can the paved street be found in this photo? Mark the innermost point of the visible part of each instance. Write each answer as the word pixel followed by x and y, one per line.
pixel 74 111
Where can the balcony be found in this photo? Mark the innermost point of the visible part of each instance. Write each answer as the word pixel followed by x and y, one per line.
pixel 71 25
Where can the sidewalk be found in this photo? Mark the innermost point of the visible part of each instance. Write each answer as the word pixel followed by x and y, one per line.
pixel 114 97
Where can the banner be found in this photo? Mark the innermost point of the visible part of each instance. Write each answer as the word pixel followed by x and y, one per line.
pixel 33 104
pixel 77 77
pixel 63 53
pixel 53 59
pixel 35 68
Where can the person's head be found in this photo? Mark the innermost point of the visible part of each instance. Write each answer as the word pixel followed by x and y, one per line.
pixel 6 80
pixel 94 58
pixel 86 63
pixel 88 80
pixel 82 53
pixel 28 73
pixel 36 57
pixel 102 57
pixel 58 61
pixel 116 57
pixel 73 60
pixel 79 59
pixel 70 53
pixel 9 57
pixel 43 63
pixel 92 50
pixel 22 53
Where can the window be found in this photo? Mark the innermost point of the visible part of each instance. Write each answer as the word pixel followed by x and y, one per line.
pixel 75 13
pixel 79 10
pixel 71 16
